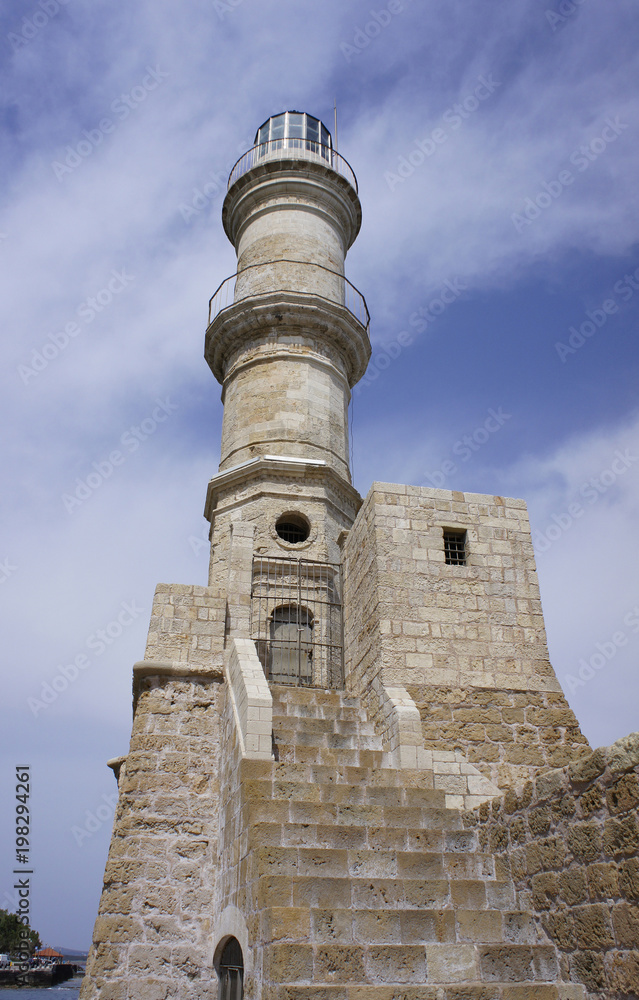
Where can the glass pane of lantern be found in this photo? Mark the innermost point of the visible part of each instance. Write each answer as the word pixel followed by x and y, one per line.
pixel 296 126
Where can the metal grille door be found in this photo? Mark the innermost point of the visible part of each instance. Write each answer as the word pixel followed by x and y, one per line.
pixel 296 621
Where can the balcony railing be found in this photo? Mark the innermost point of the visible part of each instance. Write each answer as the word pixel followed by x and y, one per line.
pixel 345 293
pixel 297 149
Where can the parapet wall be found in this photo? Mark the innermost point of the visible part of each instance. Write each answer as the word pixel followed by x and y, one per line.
pixel 571 840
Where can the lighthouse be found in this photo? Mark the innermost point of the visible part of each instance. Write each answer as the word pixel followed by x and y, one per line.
pixel 317 730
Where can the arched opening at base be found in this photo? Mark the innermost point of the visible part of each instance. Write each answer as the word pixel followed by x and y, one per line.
pixel 231 971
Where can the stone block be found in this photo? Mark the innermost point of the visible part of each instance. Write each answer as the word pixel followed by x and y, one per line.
pixel 587 967
pixel 483 926
pixel 623 973
pixel 584 840
pixel 430 894
pixel 623 795
pixel 592 926
pixel 451 963
pixel 339 963
pixel 519 928
pixel 286 923
pixel 288 963
pixel 506 963
pixel 560 928
pixel 396 964
pixel 603 881
pixel 377 927
pixel 147 988
pixel 629 878
pixel 621 836
pixel 468 894
pixel 625 922
pixel 427 926
pixel 332 925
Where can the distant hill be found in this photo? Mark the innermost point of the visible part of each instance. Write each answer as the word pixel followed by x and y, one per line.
pixel 71 952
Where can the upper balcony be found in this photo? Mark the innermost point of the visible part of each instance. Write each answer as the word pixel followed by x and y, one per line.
pixel 293 135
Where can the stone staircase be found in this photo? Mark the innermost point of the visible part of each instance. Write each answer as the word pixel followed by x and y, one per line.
pixel 366 887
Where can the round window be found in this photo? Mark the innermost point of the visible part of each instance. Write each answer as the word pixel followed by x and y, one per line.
pixel 293 528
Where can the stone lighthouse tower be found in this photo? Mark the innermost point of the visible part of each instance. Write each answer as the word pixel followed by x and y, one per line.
pixel 315 730
pixel 287 339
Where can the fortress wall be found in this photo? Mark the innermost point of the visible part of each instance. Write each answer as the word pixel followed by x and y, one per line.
pixel 571 839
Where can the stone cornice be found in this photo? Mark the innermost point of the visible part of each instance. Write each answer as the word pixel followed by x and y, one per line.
pixel 288 178
pixel 299 469
pixel 285 313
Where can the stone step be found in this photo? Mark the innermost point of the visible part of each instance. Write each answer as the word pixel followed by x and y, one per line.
pixel 364 863
pixel 331 756
pixel 472 990
pixel 343 713
pixel 306 773
pixel 389 796
pixel 388 894
pixel 308 696
pixel 282 811
pixel 344 727
pixel 289 739
pixel 429 964
pixel 409 926
pixel 373 838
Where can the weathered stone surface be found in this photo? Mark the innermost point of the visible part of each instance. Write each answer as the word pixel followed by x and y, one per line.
pixel 574 858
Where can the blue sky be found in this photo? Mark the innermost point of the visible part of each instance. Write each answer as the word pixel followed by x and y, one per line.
pixel 495 148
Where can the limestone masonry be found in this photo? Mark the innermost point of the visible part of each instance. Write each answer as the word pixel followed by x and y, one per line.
pixel 353 774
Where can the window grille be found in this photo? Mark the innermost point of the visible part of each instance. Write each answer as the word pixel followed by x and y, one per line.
pixel 296 621
pixel 455 547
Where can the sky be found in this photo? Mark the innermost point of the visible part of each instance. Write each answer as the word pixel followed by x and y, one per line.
pixel 495 149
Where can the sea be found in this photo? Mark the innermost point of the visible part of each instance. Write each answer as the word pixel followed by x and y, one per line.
pixel 64 991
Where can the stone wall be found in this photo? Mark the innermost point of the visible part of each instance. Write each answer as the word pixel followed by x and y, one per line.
pixel 187 624
pixel 510 736
pixel 153 935
pixel 571 839
pixel 467 642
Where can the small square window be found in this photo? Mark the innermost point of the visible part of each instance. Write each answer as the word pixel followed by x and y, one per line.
pixel 455 547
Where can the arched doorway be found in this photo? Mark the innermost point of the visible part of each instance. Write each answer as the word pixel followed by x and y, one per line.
pixel 291 645
pixel 231 971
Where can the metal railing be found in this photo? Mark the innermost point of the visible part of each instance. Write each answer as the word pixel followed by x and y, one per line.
pixel 345 293
pixel 296 149
pixel 296 621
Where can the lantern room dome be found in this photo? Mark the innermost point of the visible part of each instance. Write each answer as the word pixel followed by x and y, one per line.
pixel 294 125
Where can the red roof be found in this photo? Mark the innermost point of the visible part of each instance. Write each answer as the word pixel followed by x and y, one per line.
pixel 48 953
